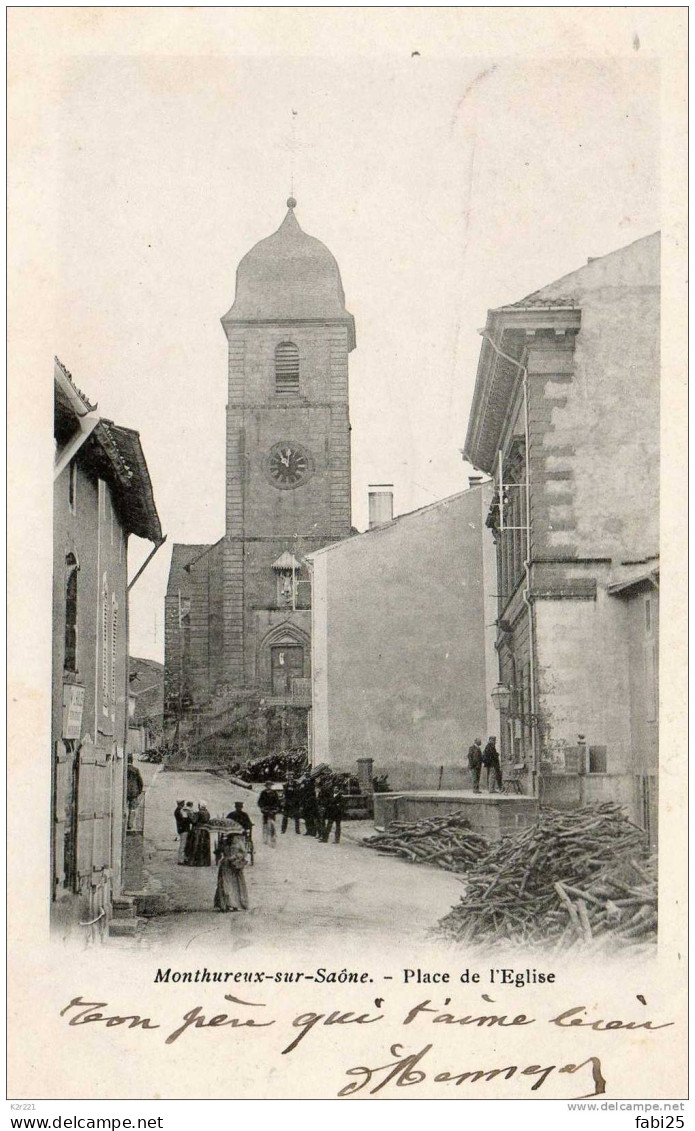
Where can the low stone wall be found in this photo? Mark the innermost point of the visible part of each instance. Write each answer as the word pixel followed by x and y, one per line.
pixel 408 776
pixel 571 791
pixel 493 815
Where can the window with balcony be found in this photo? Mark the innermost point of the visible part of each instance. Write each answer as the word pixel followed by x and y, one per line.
pixel 508 520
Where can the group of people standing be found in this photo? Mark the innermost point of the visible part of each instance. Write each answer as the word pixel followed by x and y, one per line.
pixel 322 809
pixel 194 837
pixel 230 854
pixel 488 759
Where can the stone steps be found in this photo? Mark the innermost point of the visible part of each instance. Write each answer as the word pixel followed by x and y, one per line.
pixel 124 907
pixel 124 928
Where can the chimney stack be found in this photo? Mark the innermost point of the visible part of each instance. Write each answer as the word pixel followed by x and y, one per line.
pixel 380 504
pixel 474 480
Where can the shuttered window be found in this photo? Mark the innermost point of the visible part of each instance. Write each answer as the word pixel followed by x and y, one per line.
pixel 114 646
pixel 286 370
pixel 105 642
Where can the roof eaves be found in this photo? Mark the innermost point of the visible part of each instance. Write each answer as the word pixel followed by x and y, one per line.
pixel 64 376
pixel 497 377
pixel 131 478
pixel 646 576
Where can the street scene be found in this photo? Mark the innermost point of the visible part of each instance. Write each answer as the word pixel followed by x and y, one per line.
pixel 299 891
pixel 394 593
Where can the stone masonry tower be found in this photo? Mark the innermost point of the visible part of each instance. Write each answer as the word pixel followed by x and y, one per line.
pixel 288 457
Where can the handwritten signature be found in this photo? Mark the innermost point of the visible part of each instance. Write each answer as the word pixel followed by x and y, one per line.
pixel 403 1073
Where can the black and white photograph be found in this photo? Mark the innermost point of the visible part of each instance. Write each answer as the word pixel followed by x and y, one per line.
pixel 336 685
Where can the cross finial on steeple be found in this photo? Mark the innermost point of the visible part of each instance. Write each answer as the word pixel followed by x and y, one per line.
pixel 293 145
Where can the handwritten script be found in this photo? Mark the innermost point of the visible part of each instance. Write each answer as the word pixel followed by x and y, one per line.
pixel 404 1068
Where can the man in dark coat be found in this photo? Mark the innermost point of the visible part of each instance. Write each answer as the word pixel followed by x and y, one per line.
pixel 475 761
pixel 310 806
pixel 290 805
pixel 237 814
pixel 491 761
pixel 134 790
pixel 333 813
pixel 268 803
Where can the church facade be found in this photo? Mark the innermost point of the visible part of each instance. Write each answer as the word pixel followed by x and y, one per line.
pixel 238 613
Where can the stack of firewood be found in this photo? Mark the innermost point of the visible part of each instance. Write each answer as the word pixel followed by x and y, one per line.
pixel 447 842
pixel 575 879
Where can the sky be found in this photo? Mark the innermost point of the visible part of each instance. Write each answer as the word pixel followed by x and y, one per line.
pixel 444 186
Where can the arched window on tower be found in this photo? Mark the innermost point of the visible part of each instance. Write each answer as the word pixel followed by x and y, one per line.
pixel 286 370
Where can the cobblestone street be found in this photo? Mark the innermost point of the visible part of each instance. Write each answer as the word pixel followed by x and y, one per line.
pixel 301 893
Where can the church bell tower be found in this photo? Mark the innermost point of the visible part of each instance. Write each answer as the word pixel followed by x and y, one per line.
pixel 288 456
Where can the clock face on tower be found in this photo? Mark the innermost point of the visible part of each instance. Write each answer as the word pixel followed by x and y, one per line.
pixel 288 464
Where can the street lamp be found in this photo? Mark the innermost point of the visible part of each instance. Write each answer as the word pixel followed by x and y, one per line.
pixel 501 696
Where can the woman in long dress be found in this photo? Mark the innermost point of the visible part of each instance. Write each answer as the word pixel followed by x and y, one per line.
pixel 198 853
pixel 231 893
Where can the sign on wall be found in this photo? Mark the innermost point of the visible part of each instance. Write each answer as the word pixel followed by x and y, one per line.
pixel 73 706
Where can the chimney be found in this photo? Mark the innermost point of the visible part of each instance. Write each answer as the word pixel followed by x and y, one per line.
pixel 474 480
pixel 380 504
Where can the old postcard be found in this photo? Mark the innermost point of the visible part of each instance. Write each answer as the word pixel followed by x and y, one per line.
pixel 347 668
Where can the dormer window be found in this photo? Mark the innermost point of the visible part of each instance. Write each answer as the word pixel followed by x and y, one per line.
pixel 286 370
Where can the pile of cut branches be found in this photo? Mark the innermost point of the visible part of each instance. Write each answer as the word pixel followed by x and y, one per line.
pixel 573 879
pixel 447 842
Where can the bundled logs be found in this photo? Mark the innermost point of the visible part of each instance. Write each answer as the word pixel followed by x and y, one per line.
pixel 580 879
pixel 448 842
pixel 275 767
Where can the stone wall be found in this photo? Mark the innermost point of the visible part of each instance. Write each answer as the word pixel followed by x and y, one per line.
pixel 89 771
pixel 263 521
pixel 399 643
pixel 593 423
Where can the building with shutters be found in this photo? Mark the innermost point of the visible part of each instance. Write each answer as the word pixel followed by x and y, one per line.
pixel 238 613
pixel 565 417
pixel 102 495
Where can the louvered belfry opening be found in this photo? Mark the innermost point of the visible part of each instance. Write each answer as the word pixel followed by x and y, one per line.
pixel 286 370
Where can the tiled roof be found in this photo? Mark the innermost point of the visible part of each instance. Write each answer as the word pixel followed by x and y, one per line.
pixel 68 376
pixel 117 452
pixel 534 302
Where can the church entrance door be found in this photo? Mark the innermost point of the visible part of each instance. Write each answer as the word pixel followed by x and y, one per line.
pixel 286 664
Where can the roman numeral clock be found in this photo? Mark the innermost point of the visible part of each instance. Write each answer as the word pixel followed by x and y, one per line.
pixel 288 465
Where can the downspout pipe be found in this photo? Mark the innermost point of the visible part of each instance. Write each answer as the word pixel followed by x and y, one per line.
pixel 527 563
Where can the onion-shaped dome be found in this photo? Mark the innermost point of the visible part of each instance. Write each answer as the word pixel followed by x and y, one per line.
pixel 289 276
